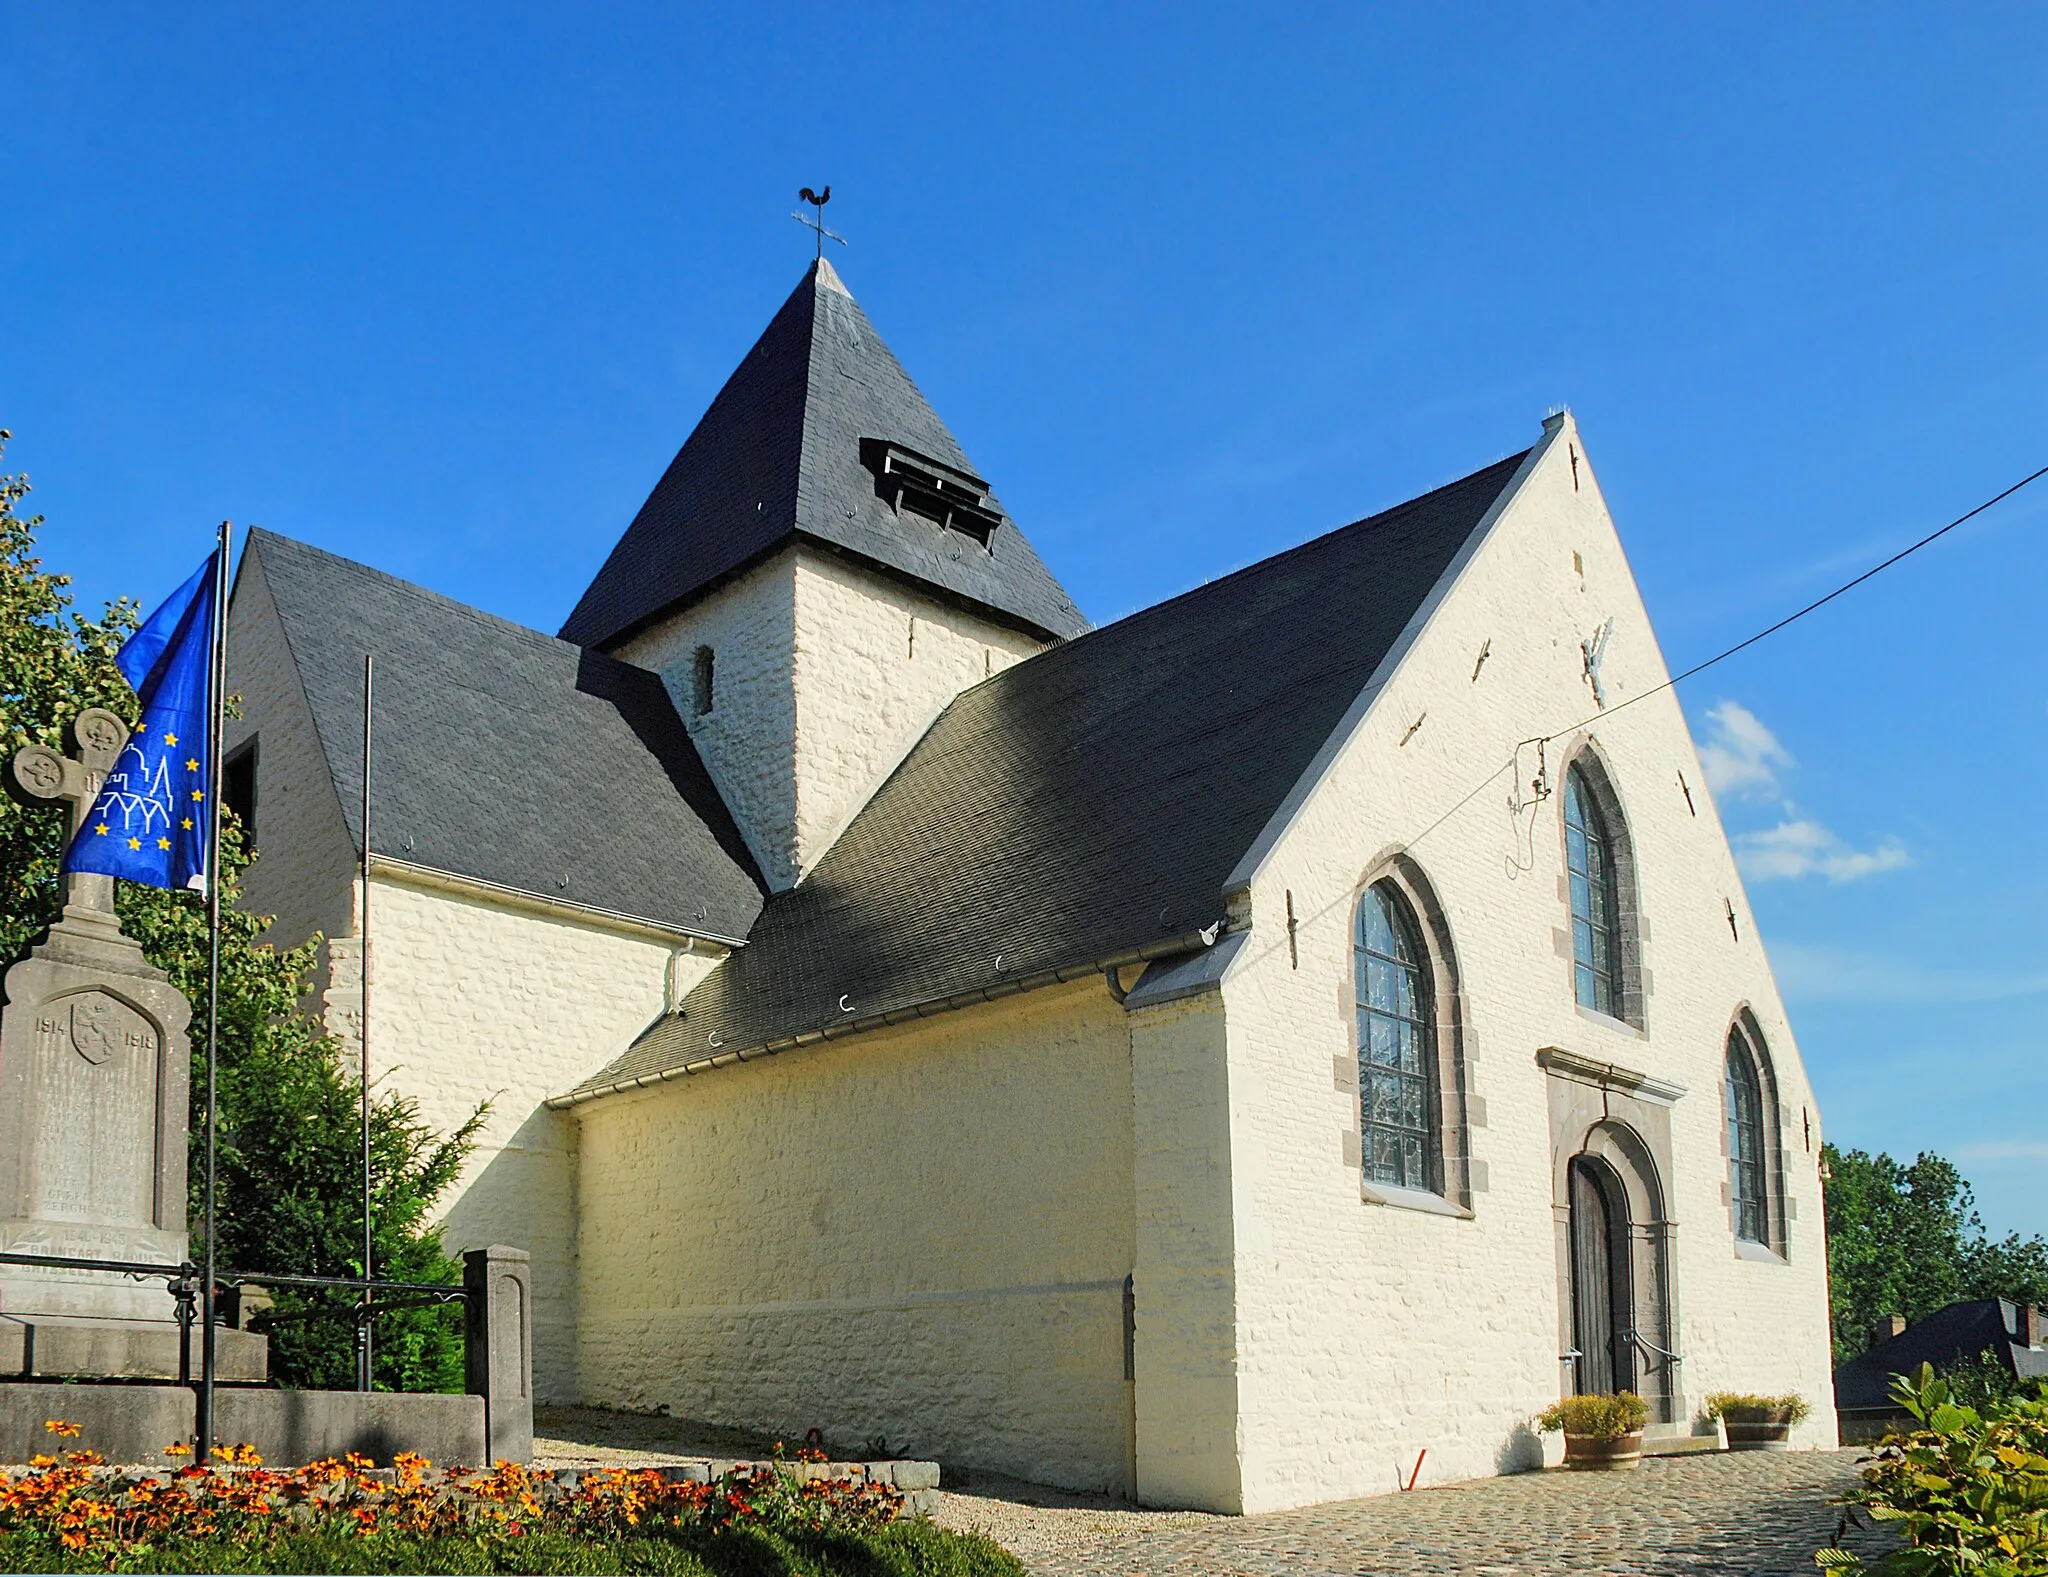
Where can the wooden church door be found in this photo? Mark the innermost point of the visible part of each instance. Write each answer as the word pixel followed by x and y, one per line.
pixel 1603 1318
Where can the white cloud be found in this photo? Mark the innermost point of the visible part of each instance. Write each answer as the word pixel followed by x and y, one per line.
pixel 1803 847
pixel 1741 757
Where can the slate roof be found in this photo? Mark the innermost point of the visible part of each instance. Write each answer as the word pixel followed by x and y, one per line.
pixel 1948 1336
pixel 505 755
pixel 1087 802
pixel 778 457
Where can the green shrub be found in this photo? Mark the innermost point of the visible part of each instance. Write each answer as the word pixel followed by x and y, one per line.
pixel 1968 1491
pixel 921 1548
pixel 1744 1407
pixel 1597 1417
pixel 1984 1382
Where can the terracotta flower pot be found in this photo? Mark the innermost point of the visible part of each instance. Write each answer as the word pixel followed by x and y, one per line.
pixel 1759 1429
pixel 1603 1453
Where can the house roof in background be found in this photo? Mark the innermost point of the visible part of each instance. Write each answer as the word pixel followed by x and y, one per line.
pixel 505 755
pixel 1955 1334
pixel 779 456
pixel 1087 802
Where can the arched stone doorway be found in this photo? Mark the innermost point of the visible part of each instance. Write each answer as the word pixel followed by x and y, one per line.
pixel 1616 1282
pixel 1611 1144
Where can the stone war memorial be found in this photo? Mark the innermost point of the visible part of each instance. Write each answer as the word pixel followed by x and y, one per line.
pixel 95 1087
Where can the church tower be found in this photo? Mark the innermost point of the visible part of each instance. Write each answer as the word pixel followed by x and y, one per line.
pixel 817 574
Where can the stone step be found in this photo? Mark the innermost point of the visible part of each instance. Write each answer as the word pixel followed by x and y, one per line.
pixel 1673 1440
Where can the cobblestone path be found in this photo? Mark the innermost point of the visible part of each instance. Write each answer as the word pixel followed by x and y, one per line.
pixel 1749 1513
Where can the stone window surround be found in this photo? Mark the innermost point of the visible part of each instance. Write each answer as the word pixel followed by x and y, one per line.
pixel 1584 753
pixel 1458 1111
pixel 1776 1249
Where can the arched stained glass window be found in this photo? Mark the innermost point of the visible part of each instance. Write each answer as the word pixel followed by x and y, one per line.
pixel 1397 1089
pixel 1596 905
pixel 1748 1175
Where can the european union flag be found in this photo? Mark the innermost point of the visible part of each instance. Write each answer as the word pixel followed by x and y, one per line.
pixel 150 822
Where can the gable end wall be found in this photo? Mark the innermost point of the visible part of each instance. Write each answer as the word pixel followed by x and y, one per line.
pixel 1369 1332
pixel 305 869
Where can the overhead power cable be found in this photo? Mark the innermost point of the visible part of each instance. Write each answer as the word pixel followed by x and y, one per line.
pixel 1793 618
pixel 1739 646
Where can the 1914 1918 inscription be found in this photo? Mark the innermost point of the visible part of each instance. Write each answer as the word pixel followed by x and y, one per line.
pixel 96 1076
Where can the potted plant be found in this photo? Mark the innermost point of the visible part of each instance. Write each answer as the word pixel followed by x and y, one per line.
pixel 1757 1423
pixel 1601 1433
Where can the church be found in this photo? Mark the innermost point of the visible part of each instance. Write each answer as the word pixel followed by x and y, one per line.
pixel 1212 1058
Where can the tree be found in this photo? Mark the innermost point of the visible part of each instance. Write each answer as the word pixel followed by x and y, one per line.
pixel 1906 1239
pixel 290 1164
pixel 54 663
pixel 2013 1267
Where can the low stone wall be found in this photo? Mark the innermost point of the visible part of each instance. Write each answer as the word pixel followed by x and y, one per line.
pixel 292 1428
pixel 123 1423
pixel 133 1423
pixel 917 1482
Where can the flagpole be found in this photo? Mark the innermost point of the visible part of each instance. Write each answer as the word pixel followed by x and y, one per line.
pixel 216 728
pixel 363 1314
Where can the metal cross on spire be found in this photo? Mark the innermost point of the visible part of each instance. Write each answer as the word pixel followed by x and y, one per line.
pixel 816 220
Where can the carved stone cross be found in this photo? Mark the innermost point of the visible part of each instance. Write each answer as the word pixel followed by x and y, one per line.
pixel 39 774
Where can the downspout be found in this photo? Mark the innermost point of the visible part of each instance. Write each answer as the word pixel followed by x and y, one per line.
pixel 671 1000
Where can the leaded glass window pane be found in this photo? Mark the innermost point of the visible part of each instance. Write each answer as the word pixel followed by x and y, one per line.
pixel 1596 906
pixel 1744 1105
pixel 1396 1041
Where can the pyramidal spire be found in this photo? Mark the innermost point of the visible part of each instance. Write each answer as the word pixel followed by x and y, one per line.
pixel 820 435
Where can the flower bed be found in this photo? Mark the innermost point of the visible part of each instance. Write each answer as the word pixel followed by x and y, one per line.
pixel 75 1513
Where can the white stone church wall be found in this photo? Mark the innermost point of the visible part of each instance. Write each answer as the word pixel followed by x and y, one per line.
pixel 1368 1333
pixel 306 861
pixel 472 1001
pixel 876 663
pixel 824 676
pixel 748 739
pixel 1186 1451
pixel 920 1234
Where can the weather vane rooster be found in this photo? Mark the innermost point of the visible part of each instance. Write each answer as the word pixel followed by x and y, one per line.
pixel 816 219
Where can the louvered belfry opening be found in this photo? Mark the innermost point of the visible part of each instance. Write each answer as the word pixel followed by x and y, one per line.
pixel 945 495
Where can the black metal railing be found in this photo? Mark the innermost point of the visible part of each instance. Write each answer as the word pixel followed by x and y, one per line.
pixel 183 1280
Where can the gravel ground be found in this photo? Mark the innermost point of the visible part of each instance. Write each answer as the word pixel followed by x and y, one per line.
pixel 1752 1513
pixel 597 1437
pixel 1760 1514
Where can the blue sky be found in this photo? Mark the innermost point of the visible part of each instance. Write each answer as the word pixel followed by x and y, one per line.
pixel 444 291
